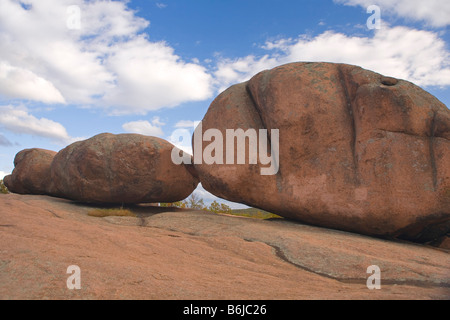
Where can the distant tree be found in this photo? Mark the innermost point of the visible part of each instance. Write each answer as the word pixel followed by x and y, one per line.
pixel 224 208
pixel 194 202
pixel 3 188
pixel 219 208
pixel 178 204
pixel 214 207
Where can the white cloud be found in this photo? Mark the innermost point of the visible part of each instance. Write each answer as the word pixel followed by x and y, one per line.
pixel 150 75
pixel 231 71
pixel 157 122
pixel 435 13
pixel 20 121
pixel 38 40
pixel 186 124
pixel 181 137
pixel 23 84
pixel 185 147
pixel 144 127
pixel 161 5
pixel 410 54
pixel 107 63
pixel 3 174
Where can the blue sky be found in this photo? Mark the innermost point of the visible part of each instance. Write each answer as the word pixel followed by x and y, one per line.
pixel 151 67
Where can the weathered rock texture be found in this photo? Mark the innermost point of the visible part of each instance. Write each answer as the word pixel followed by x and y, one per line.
pixel 31 174
pixel 196 255
pixel 125 168
pixel 358 151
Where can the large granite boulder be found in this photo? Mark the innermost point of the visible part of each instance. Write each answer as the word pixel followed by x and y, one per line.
pixel 31 174
pixel 357 151
pixel 127 168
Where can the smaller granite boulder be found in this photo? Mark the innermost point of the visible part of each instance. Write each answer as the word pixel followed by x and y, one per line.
pixel 126 168
pixel 31 174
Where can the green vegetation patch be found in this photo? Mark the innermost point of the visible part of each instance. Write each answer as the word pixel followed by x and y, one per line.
pixel 255 214
pixel 101 213
pixel 3 188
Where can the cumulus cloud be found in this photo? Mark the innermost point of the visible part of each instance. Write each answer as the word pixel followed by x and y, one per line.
pixel 186 124
pixel 231 71
pixel 23 84
pixel 435 13
pixel 38 41
pixel 108 62
pixel 145 127
pixel 415 55
pixel 150 76
pixel 3 174
pixel 20 121
pixel 157 122
pixel 181 137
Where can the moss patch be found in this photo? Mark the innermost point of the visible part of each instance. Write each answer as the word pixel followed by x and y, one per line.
pixel 101 213
pixel 254 214
pixel 3 189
